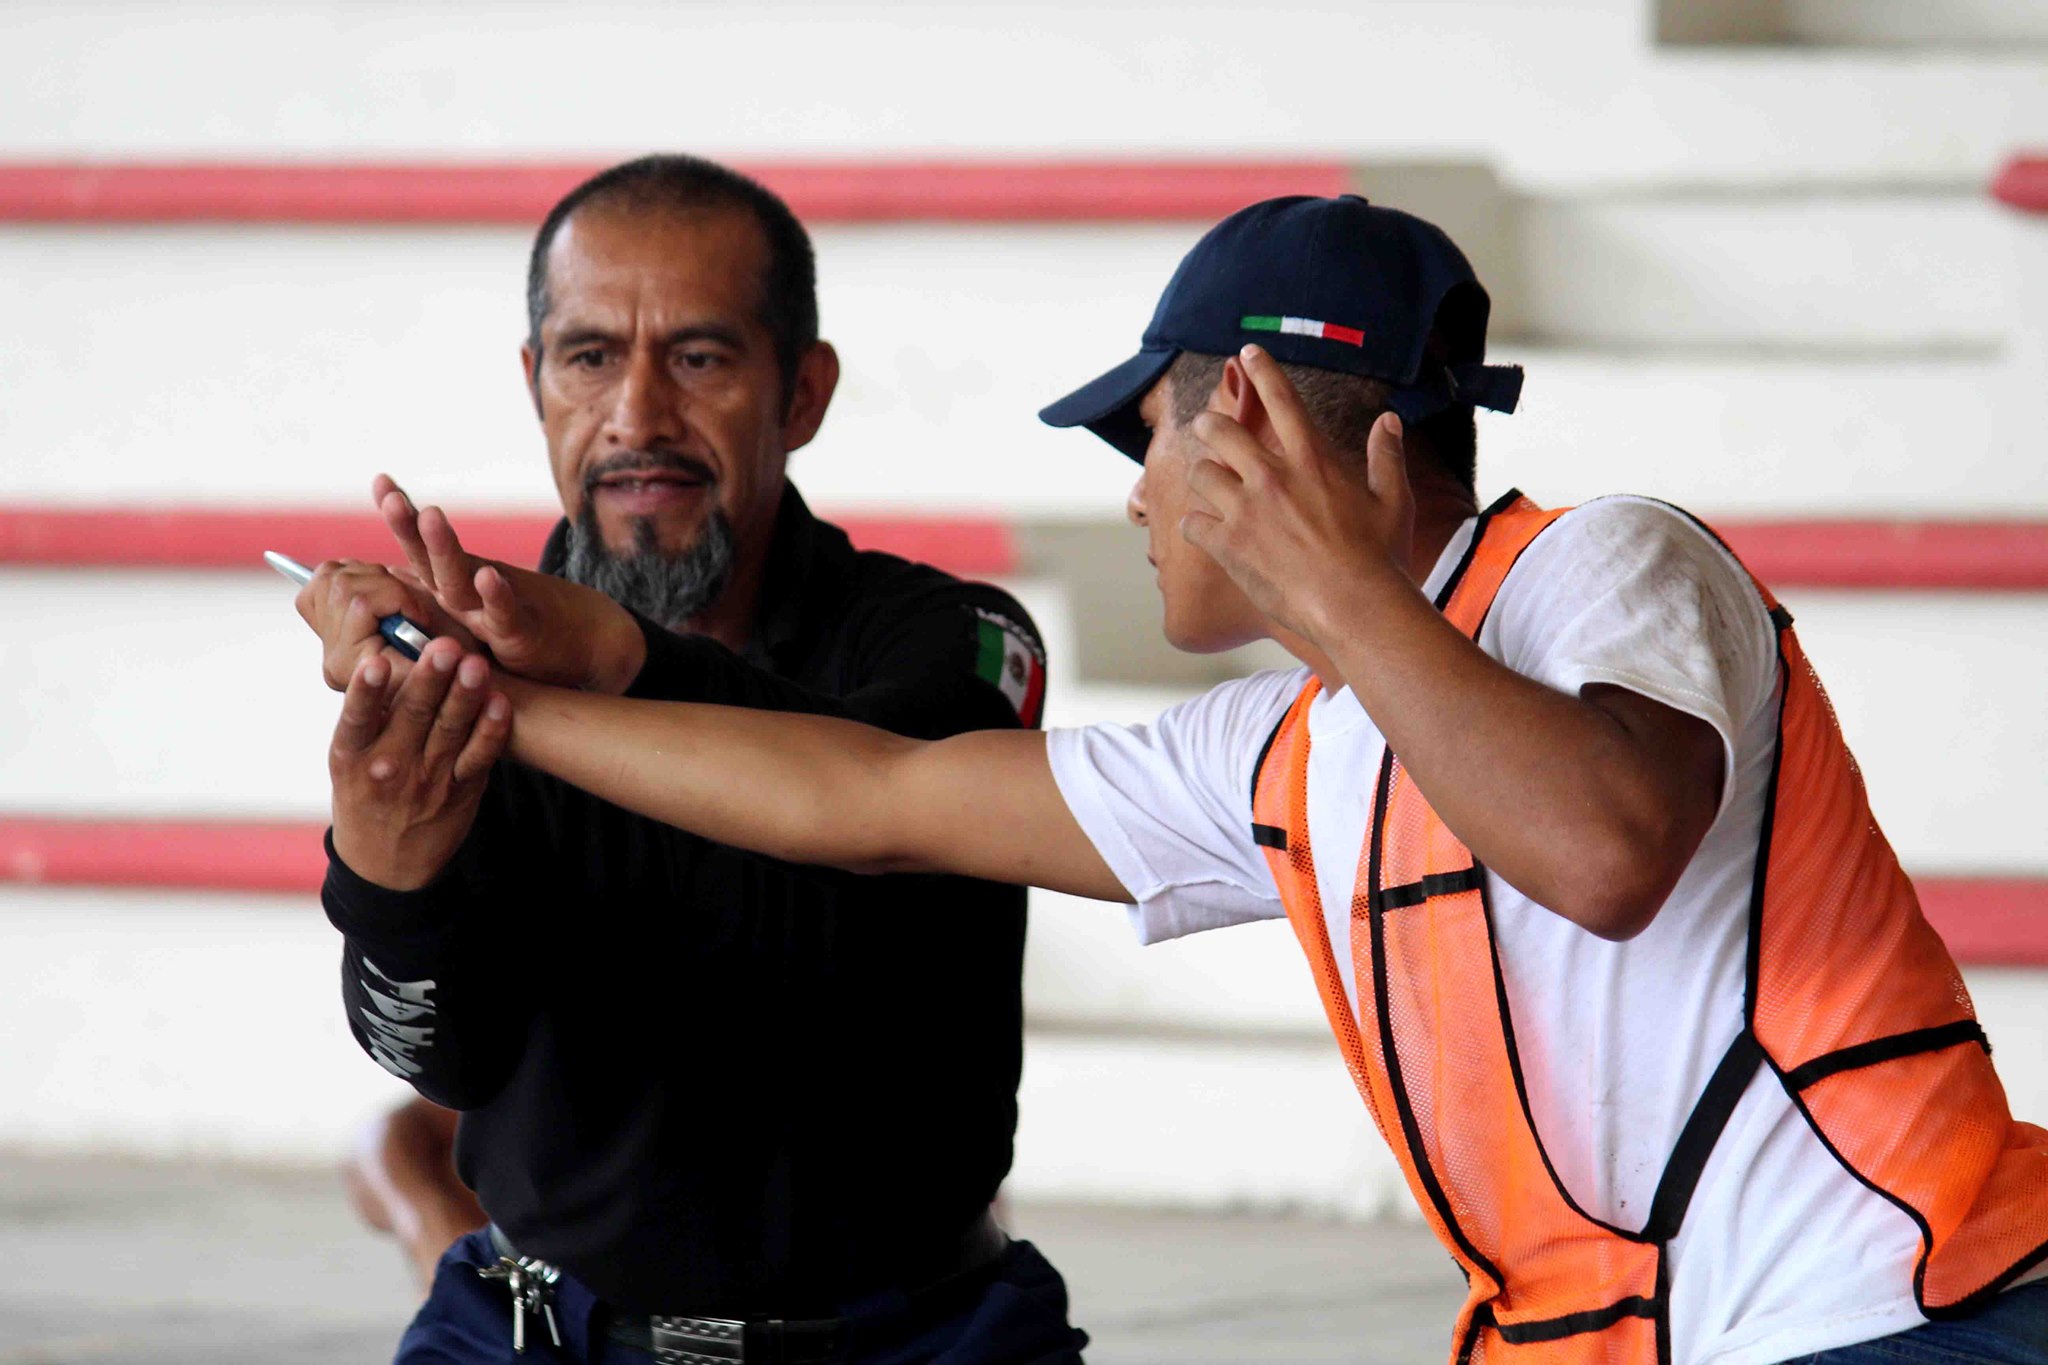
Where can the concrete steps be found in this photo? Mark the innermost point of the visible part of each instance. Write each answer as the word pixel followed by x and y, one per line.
pixel 1742 246
pixel 180 1024
pixel 288 365
pixel 1576 93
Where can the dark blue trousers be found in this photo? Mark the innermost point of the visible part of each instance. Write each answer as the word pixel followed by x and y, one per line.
pixel 1020 1319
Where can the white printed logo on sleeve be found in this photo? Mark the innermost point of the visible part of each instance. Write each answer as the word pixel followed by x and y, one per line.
pixel 1010 659
pixel 392 1025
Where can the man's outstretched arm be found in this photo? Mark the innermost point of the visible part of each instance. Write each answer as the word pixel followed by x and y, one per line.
pixel 816 789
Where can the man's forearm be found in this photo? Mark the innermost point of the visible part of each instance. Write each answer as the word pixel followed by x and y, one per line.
pixel 817 789
pixel 432 1000
pixel 1556 794
pixel 802 788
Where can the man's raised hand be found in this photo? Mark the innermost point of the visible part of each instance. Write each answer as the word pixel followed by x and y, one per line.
pixel 1291 522
pixel 408 765
pixel 534 624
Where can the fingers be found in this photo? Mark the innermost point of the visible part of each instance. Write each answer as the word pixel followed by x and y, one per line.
pixel 442 722
pixel 362 708
pixel 343 604
pixel 418 701
pixel 1291 422
pixel 378 588
pixel 398 513
pixel 455 720
pixel 451 566
pixel 1216 485
pixel 500 602
pixel 1203 530
pixel 487 739
pixel 357 639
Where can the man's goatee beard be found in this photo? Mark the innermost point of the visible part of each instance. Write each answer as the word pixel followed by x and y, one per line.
pixel 666 589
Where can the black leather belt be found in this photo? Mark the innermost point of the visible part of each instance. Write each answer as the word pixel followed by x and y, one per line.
pixel 950 1282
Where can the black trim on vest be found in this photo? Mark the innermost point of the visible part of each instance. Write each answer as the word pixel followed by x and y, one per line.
pixel 1269 836
pixel 1963 1307
pixel 1507 1028
pixel 1435 884
pixel 1493 509
pixel 1569 1325
pixel 1480 627
pixel 1502 503
pixel 1919 1221
pixel 1411 1132
pixel 1482 1316
pixel 1886 1049
pixel 1663 1305
pixel 1259 764
pixel 1780 617
pixel 1703 1127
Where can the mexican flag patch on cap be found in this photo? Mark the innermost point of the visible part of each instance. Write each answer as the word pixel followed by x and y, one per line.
pixel 1010 659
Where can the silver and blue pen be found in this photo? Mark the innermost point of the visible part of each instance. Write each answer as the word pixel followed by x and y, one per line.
pixel 406 636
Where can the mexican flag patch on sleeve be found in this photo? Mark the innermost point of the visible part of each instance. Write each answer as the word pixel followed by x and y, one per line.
pixel 1011 660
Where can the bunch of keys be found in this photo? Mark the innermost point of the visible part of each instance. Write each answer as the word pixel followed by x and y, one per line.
pixel 532 1284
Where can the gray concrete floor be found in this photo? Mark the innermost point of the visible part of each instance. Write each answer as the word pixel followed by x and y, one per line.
pixel 184 1263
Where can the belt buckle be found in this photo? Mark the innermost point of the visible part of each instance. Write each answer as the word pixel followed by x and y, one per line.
pixel 697 1341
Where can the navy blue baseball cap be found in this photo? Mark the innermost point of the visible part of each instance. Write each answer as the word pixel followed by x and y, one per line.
pixel 1336 284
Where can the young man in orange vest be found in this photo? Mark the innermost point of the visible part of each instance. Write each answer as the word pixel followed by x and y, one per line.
pixel 1617 956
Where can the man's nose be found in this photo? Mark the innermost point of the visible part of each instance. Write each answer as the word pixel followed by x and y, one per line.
pixel 1134 505
pixel 646 407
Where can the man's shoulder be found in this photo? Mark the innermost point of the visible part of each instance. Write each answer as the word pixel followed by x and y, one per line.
pixel 888 586
pixel 1630 524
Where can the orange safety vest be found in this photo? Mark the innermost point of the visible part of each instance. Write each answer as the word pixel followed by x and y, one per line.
pixel 1852 1001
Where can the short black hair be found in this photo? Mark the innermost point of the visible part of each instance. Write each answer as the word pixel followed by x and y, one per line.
pixel 674 183
pixel 1344 408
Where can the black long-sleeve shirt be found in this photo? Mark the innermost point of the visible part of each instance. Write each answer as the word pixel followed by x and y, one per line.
pixel 700 1080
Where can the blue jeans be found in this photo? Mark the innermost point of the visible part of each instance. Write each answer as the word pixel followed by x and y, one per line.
pixel 2010 1330
pixel 1020 1319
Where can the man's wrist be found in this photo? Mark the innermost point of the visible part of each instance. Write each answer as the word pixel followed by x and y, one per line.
pixel 375 865
pixel 619 655
pixel 1354 599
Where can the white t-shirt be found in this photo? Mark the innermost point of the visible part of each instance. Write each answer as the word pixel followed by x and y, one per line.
pixel 1782 1253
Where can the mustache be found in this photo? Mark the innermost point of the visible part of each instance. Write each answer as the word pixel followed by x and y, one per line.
pixel 648 462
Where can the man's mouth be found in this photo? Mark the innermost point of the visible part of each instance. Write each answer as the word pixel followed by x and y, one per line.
pixel 643 489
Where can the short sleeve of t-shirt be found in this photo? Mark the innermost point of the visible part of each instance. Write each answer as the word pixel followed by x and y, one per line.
pixel 1168 805
pixel 1632 593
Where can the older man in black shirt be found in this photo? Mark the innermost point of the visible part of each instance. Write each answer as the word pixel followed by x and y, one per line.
pixel 717 1107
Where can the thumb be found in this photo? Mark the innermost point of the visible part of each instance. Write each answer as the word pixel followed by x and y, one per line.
pixel 1386 459
pixel 501 614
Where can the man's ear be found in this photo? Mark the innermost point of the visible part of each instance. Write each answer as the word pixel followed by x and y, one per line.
pixel 529 364
pixel 810 393
pixel 1236 397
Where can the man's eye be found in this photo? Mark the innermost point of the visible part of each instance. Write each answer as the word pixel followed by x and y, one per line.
pixel 587 359
pixel 700 360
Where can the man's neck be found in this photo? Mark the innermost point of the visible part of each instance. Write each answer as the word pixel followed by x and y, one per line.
pixel 731 620
pixel 1440 509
